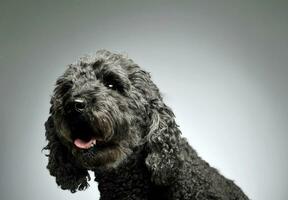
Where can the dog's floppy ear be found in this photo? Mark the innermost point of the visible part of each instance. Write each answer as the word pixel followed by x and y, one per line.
pixel 61 163
pixel 163 138
pixel 163 141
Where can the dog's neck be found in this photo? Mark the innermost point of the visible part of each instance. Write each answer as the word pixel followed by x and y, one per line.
pixel 130 177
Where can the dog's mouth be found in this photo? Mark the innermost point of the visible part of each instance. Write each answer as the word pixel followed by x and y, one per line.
pixel 84 136
pixel 82 144
pixel 88 140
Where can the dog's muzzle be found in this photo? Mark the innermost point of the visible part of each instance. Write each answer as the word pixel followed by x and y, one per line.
pixel 86 129
pixel 76 106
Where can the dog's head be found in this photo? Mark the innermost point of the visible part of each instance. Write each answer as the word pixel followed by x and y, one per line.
pixel 102 107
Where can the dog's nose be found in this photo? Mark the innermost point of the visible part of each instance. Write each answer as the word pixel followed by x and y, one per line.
pixel 79 105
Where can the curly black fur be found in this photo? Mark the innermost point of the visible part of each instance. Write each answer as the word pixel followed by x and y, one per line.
pixel 139 151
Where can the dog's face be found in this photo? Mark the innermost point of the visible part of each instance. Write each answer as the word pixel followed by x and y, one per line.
pixel 99 110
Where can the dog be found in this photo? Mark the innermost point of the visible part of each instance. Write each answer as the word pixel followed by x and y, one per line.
pixel 107 116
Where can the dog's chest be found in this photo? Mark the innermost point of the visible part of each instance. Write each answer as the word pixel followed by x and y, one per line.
pixel 130 181
pixel 129 185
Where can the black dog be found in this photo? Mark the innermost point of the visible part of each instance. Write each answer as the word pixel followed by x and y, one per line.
pixel 109 117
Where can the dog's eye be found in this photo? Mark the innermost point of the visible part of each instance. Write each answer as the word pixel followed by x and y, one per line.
pixel 113 82
pixel 113 85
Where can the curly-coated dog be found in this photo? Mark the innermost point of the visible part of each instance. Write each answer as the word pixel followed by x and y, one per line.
pixel 108 116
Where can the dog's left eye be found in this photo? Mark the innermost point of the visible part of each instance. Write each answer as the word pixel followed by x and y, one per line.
pixel 113 82
pixel 113 85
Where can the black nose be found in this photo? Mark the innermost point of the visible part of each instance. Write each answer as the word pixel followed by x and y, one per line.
pixel 79 105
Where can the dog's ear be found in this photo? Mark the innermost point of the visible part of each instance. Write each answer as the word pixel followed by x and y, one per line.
pixel 163 140
pixel 61 163
pixel 163 144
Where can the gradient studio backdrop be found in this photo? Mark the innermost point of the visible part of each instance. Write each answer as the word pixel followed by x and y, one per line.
pixel 221 65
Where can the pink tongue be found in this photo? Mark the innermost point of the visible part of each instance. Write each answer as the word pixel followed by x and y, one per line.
pixel 84 144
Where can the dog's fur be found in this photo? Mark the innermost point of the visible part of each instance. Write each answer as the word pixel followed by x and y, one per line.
pixel 139 153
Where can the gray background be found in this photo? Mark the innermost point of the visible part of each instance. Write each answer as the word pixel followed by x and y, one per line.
pixel 221 65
